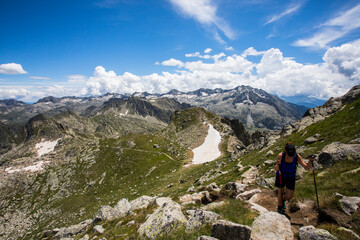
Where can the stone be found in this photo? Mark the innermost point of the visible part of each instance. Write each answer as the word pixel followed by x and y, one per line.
pixel 212 205
pixel 123 207
pixel 68 232
pixel 225 230
pixel 191 189
pixel 269 162
pixel 256 206
pixel 269 153
pixel 349 232
pixel 213 187
pixel 338 152
pixel 141 202
pixel 237 187
pixel 206 238
pixel 199 218
pixel 349 205
pixel 86 237
pixel 201 197
pixel 130 223
pixel 104 213
pixel 248 194
pixel 250 175
pixel 99 229
pixel 271 226
pixel 311 140
pixel 165 219
pixel 312 233
pixel 161 201
pixel 267 182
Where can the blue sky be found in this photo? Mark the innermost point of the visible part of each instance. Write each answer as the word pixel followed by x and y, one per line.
pixel 289 48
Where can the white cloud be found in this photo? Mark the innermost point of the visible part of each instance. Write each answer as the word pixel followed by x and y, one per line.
pixel 172 62
pixel 286 12
pixel 333 29
pixel 208 50
pixel 229 48
pixel 12 68
pixel 204 11
pixel 274 73
pixel 13 93
pixel 39 78
pixel 76 78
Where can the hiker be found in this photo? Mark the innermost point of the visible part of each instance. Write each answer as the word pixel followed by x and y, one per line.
pixel 285 174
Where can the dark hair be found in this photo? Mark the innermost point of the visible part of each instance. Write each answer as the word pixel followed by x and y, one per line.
pixel 290 149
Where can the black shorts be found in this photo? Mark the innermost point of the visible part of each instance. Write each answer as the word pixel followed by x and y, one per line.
pixel 289 183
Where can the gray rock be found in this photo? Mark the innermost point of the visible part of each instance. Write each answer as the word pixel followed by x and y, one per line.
pixel 123 207
pixel 212 205
pixel 68 232
pixel 225 230
pixel 248 194
pixel 338 152
pixel 191 189
pixel 269 162
pixel 104 213
pixel 269 153
pixel 271 226
pixel 206 238
pixel 161 201
pixel 99 229
pixel 237 187
pixel 311 140
pixel 130 223
pixel 86 237
pixel 141 202
pixel 312 233
pixel 267 182
pixel 349 205
pixel 199 218
pixel 213 187
pixel 201 197
pixel 164 220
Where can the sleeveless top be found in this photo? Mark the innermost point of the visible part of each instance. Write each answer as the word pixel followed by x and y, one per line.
pixel 288 170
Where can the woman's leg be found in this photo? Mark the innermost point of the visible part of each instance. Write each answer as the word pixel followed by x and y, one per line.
pixel 280 197
pixel 289 194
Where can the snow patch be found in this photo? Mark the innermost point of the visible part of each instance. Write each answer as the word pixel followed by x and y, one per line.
pixel 209 150
pixel 33 168
pixel 46 147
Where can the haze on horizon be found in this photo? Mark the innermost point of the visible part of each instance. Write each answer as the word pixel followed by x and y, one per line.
pixel 303 48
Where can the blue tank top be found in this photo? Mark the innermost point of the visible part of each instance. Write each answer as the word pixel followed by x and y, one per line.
pixel 288 170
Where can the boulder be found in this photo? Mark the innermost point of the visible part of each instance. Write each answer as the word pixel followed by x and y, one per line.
pixel 213 187
pixel 269 153
pixel 141 202
pixel 339 152
pixel 237 187
pixel 349 232
pixel 349 205
pixel 68 232
pixel 201 197
pixel 99 229
pixel 123 207
pixel 225 230
pixel 248 194
pixel 312 233
pixel 104 213
pixel 164 220
pixel 271 226
pixel 161 200
pixel 206 238
pixel 311 140
pixel 267 182
pixel 250 175
pixel 212 205
pixel 199 218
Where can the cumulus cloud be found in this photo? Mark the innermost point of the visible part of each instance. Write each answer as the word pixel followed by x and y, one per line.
pixel 204 12
pixel 12 68
pixel 275 73
pixel 334 29
pixel 229 48
pixel 284 13
pixel 172 62
pixel 13 93
pixel 208 50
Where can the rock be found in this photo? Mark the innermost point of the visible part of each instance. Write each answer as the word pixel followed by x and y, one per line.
pixel 212 205
pixel 199 218
pixel 312 233
pixel 250 175
pixel 86 237
pixel 99 229
pixel 271 226
pixel 256 206
pixel 213 187
pixel 123 207
pixel 248 194
pixel 339 152
pixel 161 200
pixel 237 187
pixel 191 189
pixel 206 238
pixel 130 223
pixel 269 153
pixel 225 230
pixel 267 182
pixel 141 202
pixel 349 205
pixel 164 220
pixel 269 162
pixel 68 232
pixel 156 146
pixel 349 232
pixel 104 213
pixel 352 171
pixel 311 140
pixel 201 197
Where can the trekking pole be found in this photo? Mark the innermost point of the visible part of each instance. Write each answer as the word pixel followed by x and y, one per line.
pixel 313 168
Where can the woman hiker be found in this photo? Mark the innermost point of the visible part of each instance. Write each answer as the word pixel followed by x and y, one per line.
pixel 285 174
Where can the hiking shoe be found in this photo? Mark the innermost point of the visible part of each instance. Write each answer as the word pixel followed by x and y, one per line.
pixel 281 210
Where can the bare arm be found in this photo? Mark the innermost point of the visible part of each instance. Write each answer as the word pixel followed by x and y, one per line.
pixel 302 163
pixel 278 162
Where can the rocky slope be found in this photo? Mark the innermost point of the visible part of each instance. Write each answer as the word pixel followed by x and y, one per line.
pixel 76 178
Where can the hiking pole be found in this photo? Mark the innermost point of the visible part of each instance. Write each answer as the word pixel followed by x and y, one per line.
pixel 313 168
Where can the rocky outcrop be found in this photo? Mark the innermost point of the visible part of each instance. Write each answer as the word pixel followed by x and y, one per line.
pixel 141 202
pixel 121 209
pixel 203 197
pixel 199 218
pixel 312 233
pixel 164 220
pixel 317 114
pixel 68 232
pixel 348 205
pixel 338 152
pixel 248 194
pixel 225 230
pixel 271 226
pixel 236 187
